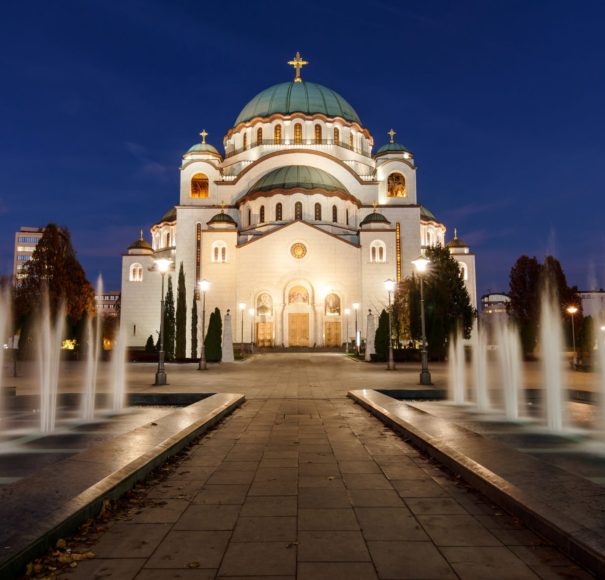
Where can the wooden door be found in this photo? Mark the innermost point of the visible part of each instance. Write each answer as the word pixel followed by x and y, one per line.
pixel 298 329
pixel 264 333
pixel 332 333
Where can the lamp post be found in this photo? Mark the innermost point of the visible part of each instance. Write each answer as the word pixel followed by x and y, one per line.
pixel 251 313
pixel 390 287
pixel 571 310
pixel 356 308
pixel 421 263
pixel 204 286
pixel 242 307
pixel 347 313
pixel 162 265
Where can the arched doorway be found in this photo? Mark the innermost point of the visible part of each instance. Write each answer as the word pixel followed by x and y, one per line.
pixel 332 320
pixel 298 316
pixel 264 317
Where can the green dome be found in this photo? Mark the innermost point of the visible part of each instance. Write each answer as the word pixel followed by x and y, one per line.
pixel 222 218
pixel 303 97
pixel 140 244
pixel 393 148
pixel 203 148
pixel 169 216
pixel 374 218
pixel 298 177
pixel 427 215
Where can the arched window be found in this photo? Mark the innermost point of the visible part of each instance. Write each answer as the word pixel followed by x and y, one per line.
pixel 277 134
pixel 429 239
pixel 347 216
pixel 199 185
pixel 278 212
pixel 396 185
pixel 351 139
pixel 245 141
pixel 332 305
pixel 297 134
pixel 317 134
pixel 298 295
pixel 336 135
pixel 464 269
pixel 378 251
pixel 167 240
pixel 249 217
pixel 298 210
pixel 318 212
pixel 334 214
pixel 136 272
pixel 262 214
pixel 219 251
pixel 259 136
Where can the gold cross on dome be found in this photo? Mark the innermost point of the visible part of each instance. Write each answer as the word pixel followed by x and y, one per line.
pixel 392 134
pixel 297 62
pixel 375 204
pixel 204 134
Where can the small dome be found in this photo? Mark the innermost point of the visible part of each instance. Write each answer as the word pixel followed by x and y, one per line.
pixel 302 97
pixel 222 218
pixel 374 218
pixel 169 216
pixel 456 242
pixel 298 177
pixel 427 215
pixel 392 148
pixel 204 148
pixel 140 245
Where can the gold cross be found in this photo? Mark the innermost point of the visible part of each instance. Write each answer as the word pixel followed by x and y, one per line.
pixel 141 238
pixel 297 62
pixel 375 204
pixel 204 134
pixel 392 135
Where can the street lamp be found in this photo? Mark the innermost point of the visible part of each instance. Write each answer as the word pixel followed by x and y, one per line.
pixel 571 310
pixel 251 313
pixel 347 313
pixel 204 286
pixel 390 287
pixel 356 308
pixel 162 265
pixel 242 307
pixel 421 263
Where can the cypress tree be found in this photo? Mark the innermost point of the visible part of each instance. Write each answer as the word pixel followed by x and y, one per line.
pixel 213 342
pixel 381 340
pixel 169 322
pixel 149 345
pixel 181 317
pixel 194 352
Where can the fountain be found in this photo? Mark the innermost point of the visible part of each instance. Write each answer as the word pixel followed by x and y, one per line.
pixel 509 350
pixel 480 372
pixel 118 374
pixel 92 362
pixel 552 347
pixel 456 364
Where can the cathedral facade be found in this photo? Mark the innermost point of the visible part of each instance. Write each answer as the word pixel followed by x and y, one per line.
pixel 296 226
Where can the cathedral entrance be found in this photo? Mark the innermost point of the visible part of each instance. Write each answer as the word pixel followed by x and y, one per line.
pixel 298 329
pixel 264 334
pixel 333 333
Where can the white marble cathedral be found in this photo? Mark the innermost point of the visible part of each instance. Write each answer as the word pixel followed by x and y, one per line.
pixel 298 220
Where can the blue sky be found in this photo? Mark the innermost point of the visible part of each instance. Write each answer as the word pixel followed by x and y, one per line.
pixel 500 101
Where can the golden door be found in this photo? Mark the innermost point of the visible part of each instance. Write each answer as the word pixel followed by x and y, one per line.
pixel 332 333
pixel 298 329
pixel 264 333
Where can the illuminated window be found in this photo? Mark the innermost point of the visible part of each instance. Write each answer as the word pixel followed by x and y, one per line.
pixel 347 216
pixel 464 270
pixel 318 212
pixel 219 252
pixel 351 140
pixel 136 272
pixel 278 212
pixel 378 251
pixel 297 134
pixel 199 185
pixel 198 257
pixel 298 210
pixel 277 134
pixel 396 185
pixel 249 217
pixel 245 141
pixel 429 239
pixel 262 214
pixel 336 135
pixel 259 136
pixel 317 134
pixel 334 214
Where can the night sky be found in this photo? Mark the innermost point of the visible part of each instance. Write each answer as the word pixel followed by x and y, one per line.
pixel 501 102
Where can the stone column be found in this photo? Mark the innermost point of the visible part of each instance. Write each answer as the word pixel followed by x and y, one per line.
pixel 370 335
pixel 227 339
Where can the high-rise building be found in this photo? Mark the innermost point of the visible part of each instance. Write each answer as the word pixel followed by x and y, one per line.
pixel 26 240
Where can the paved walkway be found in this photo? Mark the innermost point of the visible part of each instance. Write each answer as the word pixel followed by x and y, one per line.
pixel 299 486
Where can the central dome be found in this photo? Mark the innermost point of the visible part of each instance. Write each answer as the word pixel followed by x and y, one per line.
pixel 298 177
pixel 303 97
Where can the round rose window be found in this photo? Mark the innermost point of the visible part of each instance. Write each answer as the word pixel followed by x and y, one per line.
pixel 298 250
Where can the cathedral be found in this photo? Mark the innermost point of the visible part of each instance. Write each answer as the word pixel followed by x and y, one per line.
pixel 295 227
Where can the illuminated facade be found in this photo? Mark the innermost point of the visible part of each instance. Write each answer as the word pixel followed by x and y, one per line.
pixel 298 220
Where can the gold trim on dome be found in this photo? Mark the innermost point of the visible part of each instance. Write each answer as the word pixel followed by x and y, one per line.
pixel 294 190
pixel 298 250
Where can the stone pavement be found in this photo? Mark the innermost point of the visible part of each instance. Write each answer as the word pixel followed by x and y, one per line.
pixel 315 489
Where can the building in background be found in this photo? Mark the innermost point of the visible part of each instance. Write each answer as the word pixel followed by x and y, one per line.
pixel 26 240
pixel 593 304
pixel 108 303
